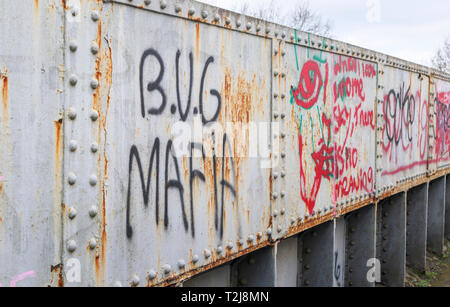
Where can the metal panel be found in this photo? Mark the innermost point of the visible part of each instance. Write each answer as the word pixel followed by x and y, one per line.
pixel 180 211
pixel 416 227
pixel 339 252
pixel 218 277
pixel 441 133
pixel 391 240
pixel 436 216
pixel 258 269
pixel 328 134
pixel 31 141
pixel 404 121
pixel 361 265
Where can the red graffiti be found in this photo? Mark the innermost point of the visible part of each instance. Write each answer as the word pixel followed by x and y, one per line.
pixel 349 88
pixel 323 160
pixel 308 90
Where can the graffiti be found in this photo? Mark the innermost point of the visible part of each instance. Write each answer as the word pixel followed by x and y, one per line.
pixel 442 137
pixel 20 277
pixel 337 269
pixel 172 180
pixel 405 117
pixel 326 129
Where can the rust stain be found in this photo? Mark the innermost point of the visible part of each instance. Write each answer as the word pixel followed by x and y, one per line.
pixel 64 4
pixel 197 41
pixel 58 270
pixel 5 94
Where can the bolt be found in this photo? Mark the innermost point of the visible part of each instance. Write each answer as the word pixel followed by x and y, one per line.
pixel 72 178
pixel 72 213
pixel 92 243
pixel 94 115
pixel 73 146
pixel 71 246
pixel 93 211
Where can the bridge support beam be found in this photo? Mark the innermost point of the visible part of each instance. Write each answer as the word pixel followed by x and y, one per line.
pixel 447 208
pixel 257 269
pixel 416 227
pixel 436 216
pixel 316 256
pixel 360 248
pixel 391 240
pixel 218 277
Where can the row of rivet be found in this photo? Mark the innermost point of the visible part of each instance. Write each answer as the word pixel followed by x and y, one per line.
pixel 73 144
pixel 307 41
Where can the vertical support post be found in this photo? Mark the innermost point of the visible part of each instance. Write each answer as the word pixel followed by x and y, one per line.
pixel 416 227
pixel 218 277
pixel 257 269
pixel 391 240
pixel 286 264
pixel 316 252
pixel 361 270
pixel 436 216
pixel 447 208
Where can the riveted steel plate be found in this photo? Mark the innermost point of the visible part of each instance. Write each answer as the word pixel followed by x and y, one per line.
pixel 176 202
pixel 403 122
pixel 329 102
pixel 440 152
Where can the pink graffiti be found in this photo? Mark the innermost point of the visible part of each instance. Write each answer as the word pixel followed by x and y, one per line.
pixel 20 277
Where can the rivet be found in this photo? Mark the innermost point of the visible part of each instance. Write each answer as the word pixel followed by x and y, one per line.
pixel 166 268
pixel 135 281
pixel 93 211
pixel 308 251
pixel 195 259
pixel 283 155
pixel 92 243
pixel 275 175
pixel 269 232
pixel 71 246
pixel 94 115
pixel 163 4
pixel 220 250
pixel 243 281
pixel 283 194
pixel 94 48
pixel 275 115
pixel 73 46
pixel 251 260
pixel 147 2
pixel 95 16
pixel 275 95
pixel 72 178
pixel 72 213
pixel 307 282
pixel 177 8
pixel 207 253
pixel 181 263
pixel 283 211
pixel 73 80
pixel 258 28
pixel 249 26
pixel 227 21
pixel 259 235
pixel 275 195
pixel 267 30
pixel 230 245
pixel 275 213
pixel 191 11
pixel 216 18
pixel 151 275
pixel 73 146
pixel 251 238
pixel 93 180
pixel 238 23
pixel 204 14
pixel 283 35
pixel 94 147
pixel 293 221
pixel 283 135
pixel 94 84
pixel 74 12
pixel 283 174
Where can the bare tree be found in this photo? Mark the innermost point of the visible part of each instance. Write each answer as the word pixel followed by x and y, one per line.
pixel 302 17
pixel 441 61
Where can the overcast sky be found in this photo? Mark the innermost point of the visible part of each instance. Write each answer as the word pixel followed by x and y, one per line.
pixel 409 29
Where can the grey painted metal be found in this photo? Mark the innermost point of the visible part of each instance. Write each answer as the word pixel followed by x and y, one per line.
pixel 391 239
pixel 257 269
pixel 218 277
pixel 416 227
pixel 361 248
pixel 436 216
pixel 317 253
pixel 31 142
pixel 287 262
